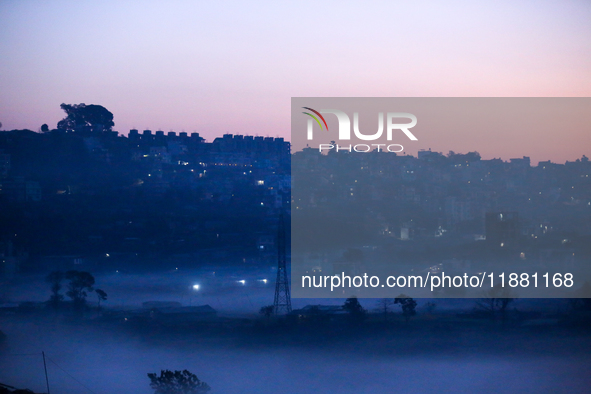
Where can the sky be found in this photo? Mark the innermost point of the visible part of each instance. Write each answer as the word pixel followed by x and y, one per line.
pixel 232 67
pixel 511 127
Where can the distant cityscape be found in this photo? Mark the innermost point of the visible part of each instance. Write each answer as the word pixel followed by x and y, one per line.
pixel 353 212
pixel 89 195
pixel 450 192
pixel 69 195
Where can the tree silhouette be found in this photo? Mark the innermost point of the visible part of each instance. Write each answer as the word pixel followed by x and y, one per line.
pixel 78 115
pixel 80 283
pixel 408 306
pixel 384 306
pixel 102 296
pixel 459 158
pixel 495 302
pixel 177 382
pixel 55 279
pixel 356 312
pixel 267 311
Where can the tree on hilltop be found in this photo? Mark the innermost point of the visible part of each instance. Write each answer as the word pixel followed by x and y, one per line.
pixel 79 115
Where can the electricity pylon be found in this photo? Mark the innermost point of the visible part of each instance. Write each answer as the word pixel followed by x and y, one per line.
pixel 282 302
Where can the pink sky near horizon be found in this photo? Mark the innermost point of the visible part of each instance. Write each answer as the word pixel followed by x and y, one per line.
pixel 232 67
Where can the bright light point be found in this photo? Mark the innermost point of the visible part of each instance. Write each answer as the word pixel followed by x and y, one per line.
pixel 242 281
pixel 195 287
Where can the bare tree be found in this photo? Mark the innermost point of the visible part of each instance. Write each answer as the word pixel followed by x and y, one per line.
pixel 384 305
pixel 495 302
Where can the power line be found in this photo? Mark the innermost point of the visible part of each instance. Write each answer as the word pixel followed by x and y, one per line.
pixel 44 364
pixel 47 357
pixel 64 371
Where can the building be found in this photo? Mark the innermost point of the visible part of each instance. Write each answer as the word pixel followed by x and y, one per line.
pixel 502 228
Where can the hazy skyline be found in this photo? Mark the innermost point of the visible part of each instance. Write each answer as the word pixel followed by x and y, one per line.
pixel 233 67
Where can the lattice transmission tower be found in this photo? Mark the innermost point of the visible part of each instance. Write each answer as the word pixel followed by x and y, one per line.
pixel 282 302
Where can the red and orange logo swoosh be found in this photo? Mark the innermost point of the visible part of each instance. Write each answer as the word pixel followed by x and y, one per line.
pixel 315 118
